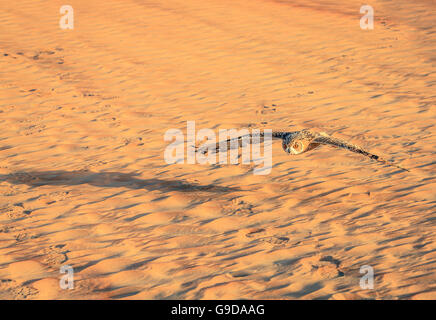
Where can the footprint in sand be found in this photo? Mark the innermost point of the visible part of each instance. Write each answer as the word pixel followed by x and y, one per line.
pixel 275 240
pixel 24 292
pixel 255 233
pixel 267 109
pixel 263 235
pixel 238 208
pixel 54 255
pixel 48 56
pixel 23 235
pixel 18 291
pixel 325 267
pixel 8 55
pixel 11 190
pixel 90 94
pixel 15 211
pixel 53 197
pixel 7 229
pixel 34 128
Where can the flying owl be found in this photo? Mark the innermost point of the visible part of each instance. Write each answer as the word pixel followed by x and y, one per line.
pixel 298 142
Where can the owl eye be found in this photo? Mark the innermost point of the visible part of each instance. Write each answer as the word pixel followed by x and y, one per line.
pixel 296 146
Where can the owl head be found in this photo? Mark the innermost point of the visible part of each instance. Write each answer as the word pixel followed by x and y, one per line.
pixel 299 143
pixel 294 146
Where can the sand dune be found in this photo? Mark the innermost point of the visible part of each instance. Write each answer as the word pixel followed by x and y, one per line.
pixel 83 181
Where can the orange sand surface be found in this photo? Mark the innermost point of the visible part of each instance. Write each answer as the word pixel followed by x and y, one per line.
pixel 83 181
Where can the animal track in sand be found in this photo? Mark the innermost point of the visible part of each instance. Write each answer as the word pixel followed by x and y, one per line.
pixel 23 235
pixel 17 233
pixel 53 197
pixel 263 109
pixel 7 229
pixel 262 235
pixel 18 291
pixel 48 56
pixel 54 255
pixel 29 126
pixel 254 232
pixel 10 190
pixel 34 128
pixel 323 266
pixel 24 292
pixel 238 208
pixel 7 55
pixel 15 211
pixel 275 240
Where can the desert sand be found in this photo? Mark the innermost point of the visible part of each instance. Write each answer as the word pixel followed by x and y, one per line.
pixel 83 181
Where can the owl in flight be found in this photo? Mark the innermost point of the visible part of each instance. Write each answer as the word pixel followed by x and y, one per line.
pixel 302 141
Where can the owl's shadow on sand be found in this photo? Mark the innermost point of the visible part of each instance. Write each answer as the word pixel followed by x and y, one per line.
pixel 107 179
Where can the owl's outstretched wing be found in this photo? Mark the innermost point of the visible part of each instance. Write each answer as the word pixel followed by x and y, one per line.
pixel 325 139
pixel 237 142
